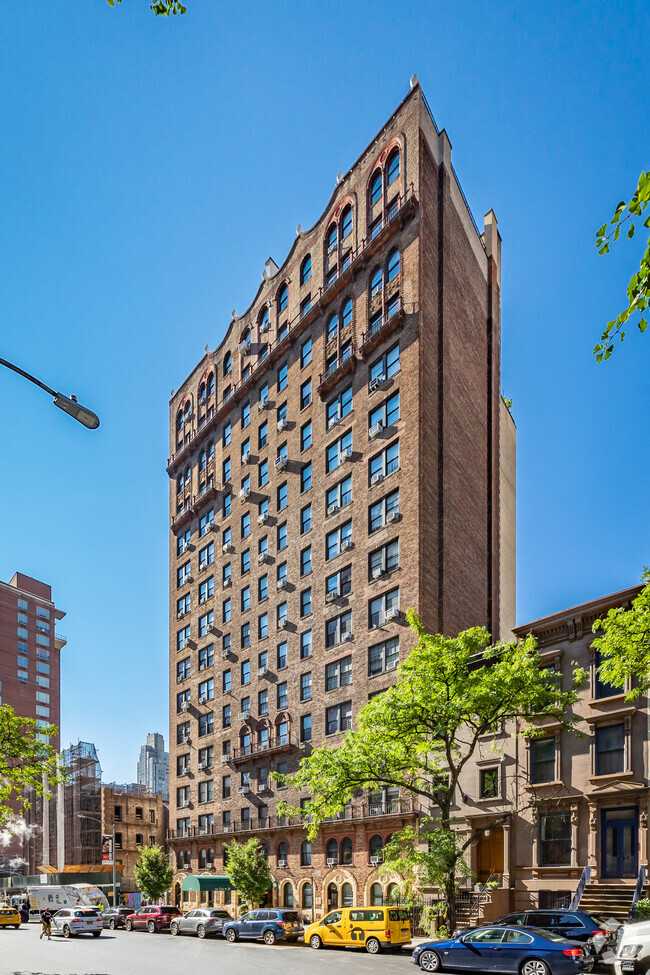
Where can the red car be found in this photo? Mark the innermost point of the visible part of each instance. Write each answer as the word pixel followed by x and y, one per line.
pixel 155 917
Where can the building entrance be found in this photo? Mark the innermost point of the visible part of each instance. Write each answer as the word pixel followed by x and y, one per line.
pixel 619 842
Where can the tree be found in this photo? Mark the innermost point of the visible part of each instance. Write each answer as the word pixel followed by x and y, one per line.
pixel 248 869
pixel 638 290
pixel 625 643
pixel 421 733
pixel 153 872
pixel 161 8
pixel 26 763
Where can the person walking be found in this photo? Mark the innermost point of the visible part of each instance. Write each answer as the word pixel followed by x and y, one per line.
pixel 46 921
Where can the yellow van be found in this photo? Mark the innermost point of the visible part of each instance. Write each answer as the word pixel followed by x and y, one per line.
pixel 372 928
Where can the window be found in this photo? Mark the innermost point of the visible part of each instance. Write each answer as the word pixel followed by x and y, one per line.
pixel 386 366
pixel 205 522
pixel 206 657
pixel 305 305
pixel 206 556
pixel 263 510
pixel 305 394
pixel 227 681
pixel 206 724
pixel 183 606
pixel 246 525
pixel 339 495
pixel 386 413
pixel 282 496
pixel 375 188
pixel 555 839
pixel 182 669
pixel 282 377
pixel 227 364
pixel 245 414
pixel 305 561
pixel 305 519
pixel 305 436
pixel 332 238
pixel 339 407
pixel 305 854
pixel 338 718
pixel 380 607
pixel 489 783
pixel 305 727
pixel 282 536
pixel 206 791
pixel 281 614
pixel 205 622
pixel 282 453
pixel 339 583
pixel 379 512
pixel 245 561
pixel 305 478
pixel 226 611
pixel 246 672
pixel 346 223
pixel 263 702
pixel 282 698
pixel 333 327
pixel 305 644
pixel 383 656
pixel 182 732
pixel 392 167
pixel 376 283
pixel 263 545
pixel 263 626
pixel 392 268
pixel 182 574
pixel 263 435
pixel 542 760
pixel 305 269
pixel 384 560
pixel 305 687
pixel 281 413
pixel 226 644
pixel 338 450
pixel 183 541
pixel 338 628
pixel 602 688
pixel 183 638
pixel 338 540
pixel 338 673
pixel 282 655
pixel 305 353
pixel 385 463
pixel 305 602
pixel 283 298
pixel 226 469
pixel 610 749
pixel 262 587
pixel 227 504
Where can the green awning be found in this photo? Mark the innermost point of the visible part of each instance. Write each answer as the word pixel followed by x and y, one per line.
pixel 206 883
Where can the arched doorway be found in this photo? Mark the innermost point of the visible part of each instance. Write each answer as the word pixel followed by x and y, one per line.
pixel 332 897
pixel 177 895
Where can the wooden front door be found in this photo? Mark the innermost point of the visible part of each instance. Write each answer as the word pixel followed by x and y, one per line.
pixel 489 854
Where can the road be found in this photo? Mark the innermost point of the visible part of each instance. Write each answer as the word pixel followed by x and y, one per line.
pixel 139 953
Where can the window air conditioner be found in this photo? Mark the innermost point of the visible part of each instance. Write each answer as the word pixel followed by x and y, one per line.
pixel 189 578
pixel 280 463
pixel 262 671
pixel 378 571
pixel 282 864
pixel 225 654
pixel 227 548
pixel 392 613
pixel 227 583
pixel 375 860
pixel 244 715
pixel 244 494
pixel 180 614
pixel 283 423
pixel 281 584
pixel 179 678
pixel 331 861
pixel 203 699
pixel 334 422
pixel 332 508
pixel 261 558
pixel 226 829
pixel 243 790
pixel 375 430
pixel 392 516
pixel 225 759
pixel 348 636
pixel 346 545
pixel 374 384
pixel 346 455
pixel 331 597
pixel 244 348
pixel 376 478
pixel 264 327
pixel 263 405
pixel 185 706
pixel 212 628
pixel 246 457
pixel 282 624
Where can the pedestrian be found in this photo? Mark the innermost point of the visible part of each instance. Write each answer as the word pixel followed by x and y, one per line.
pixel 46 921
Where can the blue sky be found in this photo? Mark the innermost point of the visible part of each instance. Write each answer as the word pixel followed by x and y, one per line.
pixel 150 166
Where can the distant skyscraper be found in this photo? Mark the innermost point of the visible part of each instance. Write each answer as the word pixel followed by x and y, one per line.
pixel 153 766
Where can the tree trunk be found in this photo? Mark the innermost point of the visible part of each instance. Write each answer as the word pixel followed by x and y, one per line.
pixel 450 894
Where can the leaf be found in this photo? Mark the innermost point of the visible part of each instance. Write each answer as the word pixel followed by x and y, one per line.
pixel 642 324
pixel 630 232
pixel 599 233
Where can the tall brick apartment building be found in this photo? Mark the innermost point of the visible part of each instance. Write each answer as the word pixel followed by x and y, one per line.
pixel 343 455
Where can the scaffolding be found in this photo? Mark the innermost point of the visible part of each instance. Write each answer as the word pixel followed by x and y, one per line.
pixel 83 837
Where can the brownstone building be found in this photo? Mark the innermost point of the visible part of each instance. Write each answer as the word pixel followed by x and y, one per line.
pixel 140 819
pixel 343 455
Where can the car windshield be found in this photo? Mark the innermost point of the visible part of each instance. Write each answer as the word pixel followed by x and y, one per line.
pixel 290 916
pixel 86 914
pixel 549 935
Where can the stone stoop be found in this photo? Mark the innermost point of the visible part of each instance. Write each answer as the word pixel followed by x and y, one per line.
pixel 610 900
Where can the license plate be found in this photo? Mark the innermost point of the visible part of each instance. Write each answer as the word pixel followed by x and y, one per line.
pixel 89 922
pixel 627 966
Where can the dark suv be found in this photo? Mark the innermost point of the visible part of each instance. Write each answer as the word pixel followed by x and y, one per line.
pixel 115 917
pixel 269 925
pixel 598 932
pixel 154 918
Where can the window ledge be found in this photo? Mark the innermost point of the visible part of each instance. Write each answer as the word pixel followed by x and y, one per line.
pixel 552 783
pixel 614 698
pixel 611 777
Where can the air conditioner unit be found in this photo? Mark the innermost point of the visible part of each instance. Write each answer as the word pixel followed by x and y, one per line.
pixel 283 864
pixel 280 463
pixel 374 384
pixel 225 654
pixel 282 624
pixel 212 527
pixel 377 572
pixel 263 518
pixel 262 671
pixel 227 548
pixel 203 567
pixel 189 578
pixel 332 861
pixel 348 636
pixel 392 613
pixel 392 516
pixel 376 478
pixel 212 628
pixel 346 455
pixel 281 584
pixel 185 706
pixel 246 457
pixel 244 348
pixel 202 666
pixel 227 583
pixel 375 430
pixel 244 494
pixel 375 860
pixel 263 405
pixel 226 829
pixel 225 759
pixel 333 422
pixel 185 802
pixel 202 600
pixel 180 614
pixel 203 700
pixel 243 790
pixel 331 597
pixel 185 740
pixel 346 545
pixel 282 424
pixel 202 765
pixel 261 558
pixel 244 715
pixel 179 678
pixel 264 327
pixel 332 508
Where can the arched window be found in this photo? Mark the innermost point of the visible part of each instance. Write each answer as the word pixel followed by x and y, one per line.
pixel 347 896
pixel 283 299
pixel 392 167
pixel 332 327
pixel 227 364
pixel 211 857
pixel 203 859
pixel 283 852
pixel 332 238
pixel 376 282
pixel 264 850
pixel 264 321
pixel 305 854
pixel 346 850
pixel 246 339
pixel 307 896
pixel 346 316
pixel 376 845
pixel 246 743
pixel 305 269
pixel 392 894
pixel 346 223
pixel 263 737
pixel 203 459
pixel 393 265
pixel 187 411
pixel 202 393
pixel 179 421
pixel 210 385
pixel 332 896
pixel 375 188
pixel 376 896
pixel 332 851
pixel 283 733
pixel 287 896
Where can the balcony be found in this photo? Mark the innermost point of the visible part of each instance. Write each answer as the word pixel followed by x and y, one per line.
pixel 273 745
pixel 336 371
pixel 376 810
pixel 381 330
pixel 182 518
pixel 60 640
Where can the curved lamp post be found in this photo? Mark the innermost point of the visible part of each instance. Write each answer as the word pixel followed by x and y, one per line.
pixel 68 404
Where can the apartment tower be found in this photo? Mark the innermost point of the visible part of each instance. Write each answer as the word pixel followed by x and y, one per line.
pixel 153 767
pixel 343 455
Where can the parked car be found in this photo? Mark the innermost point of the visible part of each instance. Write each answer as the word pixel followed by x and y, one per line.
pixel 115 917
pixel 266 924
pixel 372 928
pixel 595 930
pixel 633 953
pixel 526 951
pixel 73 921
pixel 9 917
pixel 155 917
pixel 202 921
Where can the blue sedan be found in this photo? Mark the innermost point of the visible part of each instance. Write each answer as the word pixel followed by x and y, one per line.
pixel 526 951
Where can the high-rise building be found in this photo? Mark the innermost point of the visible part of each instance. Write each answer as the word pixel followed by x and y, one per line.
pixel 153 767
pixel 343 455
pixel 30 680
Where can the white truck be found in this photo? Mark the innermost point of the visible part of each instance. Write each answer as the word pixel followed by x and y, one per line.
pixel 54 896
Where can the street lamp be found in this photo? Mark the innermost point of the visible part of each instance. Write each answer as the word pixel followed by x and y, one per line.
pixel 68 404
pixel 101 823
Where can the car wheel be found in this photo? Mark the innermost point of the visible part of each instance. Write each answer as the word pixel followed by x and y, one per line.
pixel 96 934
pixel 17 927
pixel 201 931
pixel 269 938
pixel 151 927
pixel 66 931
pixel 429 961
pixel 129 925
pixel 231 935
pixel 372 946
pixel 535 966
pixel 112 924
pixel 315 942
pixel 173 929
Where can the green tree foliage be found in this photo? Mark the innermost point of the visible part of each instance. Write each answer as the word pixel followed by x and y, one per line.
pixel 153 872
pixel 161 8
pixel 23 761
pixel 248 870
pixel 625 643
pixel 421 733
pixel 638 290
